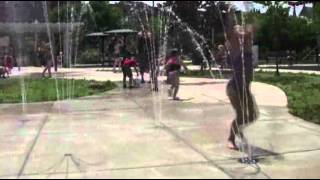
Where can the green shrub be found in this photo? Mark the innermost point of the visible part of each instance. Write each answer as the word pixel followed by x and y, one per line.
pixel 90 56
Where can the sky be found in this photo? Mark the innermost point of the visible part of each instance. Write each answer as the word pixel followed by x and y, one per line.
pixel 241 5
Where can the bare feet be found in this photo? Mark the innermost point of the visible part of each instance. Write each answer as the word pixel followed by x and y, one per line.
pixel 232 145
pixel 176 99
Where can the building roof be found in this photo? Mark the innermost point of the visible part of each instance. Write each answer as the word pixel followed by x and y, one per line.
pixel 121 31
pixel 96 34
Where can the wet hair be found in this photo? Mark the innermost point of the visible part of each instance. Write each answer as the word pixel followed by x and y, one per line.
pixel 174 52
pixel 128 55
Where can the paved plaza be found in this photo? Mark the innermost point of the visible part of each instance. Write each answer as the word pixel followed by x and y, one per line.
pixel 140 134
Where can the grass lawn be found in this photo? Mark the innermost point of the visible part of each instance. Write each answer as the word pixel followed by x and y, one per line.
pixel 302 90
pixel 38 90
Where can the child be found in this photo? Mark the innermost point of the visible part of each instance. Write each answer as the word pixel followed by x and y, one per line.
pixel 46 60
pixel 60 59
pixel 127 63
pixel 173 67
pixel 221 56
pixel 8 63
pixel 238 88
pixel 117 50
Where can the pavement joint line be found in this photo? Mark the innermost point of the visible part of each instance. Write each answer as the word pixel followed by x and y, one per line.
pixel 299 151
pixel 315 132
pixel 299 123
pixel 173 133
pixel 185 126
pixel 226 102
pixel 170 131
pixel 94 111
pixel 115 169
pixel 156 166
pixel 220 100
pixel 209 160
pixel 308 128
pixel 270 155
pixel 33 144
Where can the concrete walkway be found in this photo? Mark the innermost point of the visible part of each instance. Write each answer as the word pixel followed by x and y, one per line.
pixel 139 134
pixel 299 68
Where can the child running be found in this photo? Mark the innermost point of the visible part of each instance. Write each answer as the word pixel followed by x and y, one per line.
pixel 129 62
pixel 173 67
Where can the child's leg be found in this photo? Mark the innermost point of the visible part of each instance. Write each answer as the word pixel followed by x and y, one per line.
pixel 142 76
pixel 124 77
pixel 125 81
pixel 7 72
pixel 3 73
pixel 49 69
pixel 141 69
pixel 169 81
pixel 170 91
pixel 130 82
pixel 119 63
pixel 235 98
pixel 175 92
pixel 115 63
pixel 176 85
pixel 130 75
pixel 44 71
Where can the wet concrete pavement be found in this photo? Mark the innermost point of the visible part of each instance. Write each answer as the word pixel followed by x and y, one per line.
pixel 140 134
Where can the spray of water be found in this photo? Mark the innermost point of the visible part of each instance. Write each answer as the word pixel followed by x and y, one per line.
pixel 194 35
pixel 45 11
pixel 20 62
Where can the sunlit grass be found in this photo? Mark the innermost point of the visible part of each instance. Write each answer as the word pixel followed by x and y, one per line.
pixel 38 90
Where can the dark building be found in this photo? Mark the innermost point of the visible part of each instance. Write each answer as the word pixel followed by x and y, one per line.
pixel 23 26
pixel 21 11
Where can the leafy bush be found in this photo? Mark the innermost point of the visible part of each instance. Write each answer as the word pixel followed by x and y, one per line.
pixel 90 56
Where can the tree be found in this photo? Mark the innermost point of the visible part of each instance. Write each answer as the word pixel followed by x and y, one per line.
pixel 97 15
pixel 273 31
pixel 213 21
pixel 106 16
pixel 65 11
pixel 187 11
pixel 279 32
